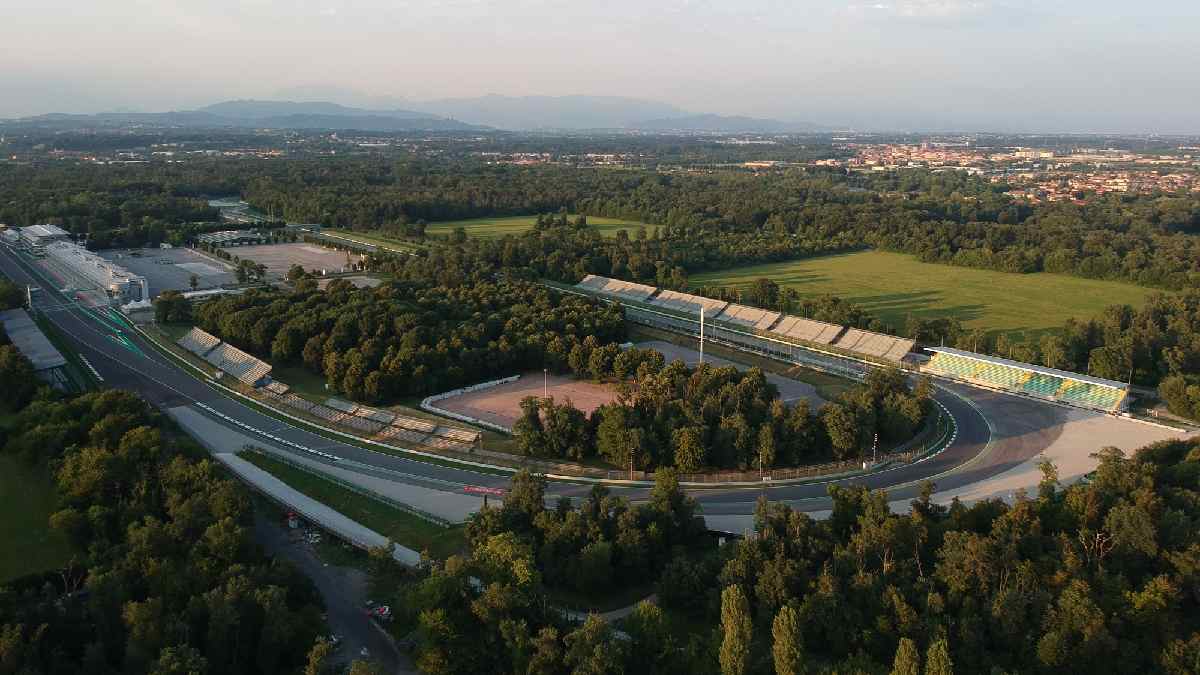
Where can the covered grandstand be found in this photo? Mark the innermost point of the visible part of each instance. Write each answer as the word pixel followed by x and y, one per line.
pixel 1027 379
pixel 615 288
pixel 688 303
pixel 790 338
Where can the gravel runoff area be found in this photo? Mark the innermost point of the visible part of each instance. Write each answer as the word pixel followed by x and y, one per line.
pixel 789 390
pixel 171 269
pixel 279 258
pixel 502 404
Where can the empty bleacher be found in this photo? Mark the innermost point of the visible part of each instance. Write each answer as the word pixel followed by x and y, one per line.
pixel 626 290
pixel 1027 379
pixel 807 330
pixel 387 424
pixel 742 316
pixel 198 342
pixel 688 303
pixel 238 363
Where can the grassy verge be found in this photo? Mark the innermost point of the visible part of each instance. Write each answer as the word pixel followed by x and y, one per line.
pixel 403 528
pixel 27 544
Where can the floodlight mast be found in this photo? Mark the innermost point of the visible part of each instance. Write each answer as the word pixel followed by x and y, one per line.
pixel 701 335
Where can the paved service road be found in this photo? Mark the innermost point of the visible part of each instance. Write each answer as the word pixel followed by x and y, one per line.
pixel 986 445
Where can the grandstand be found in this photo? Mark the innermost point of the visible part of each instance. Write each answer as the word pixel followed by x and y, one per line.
pixel 688 303
pixel 790 338
pixel 625 290
pixel 198 342
pixel 1028 380
pixel 239 364
pixel 390 425
pixel 742 316
pixel 807 330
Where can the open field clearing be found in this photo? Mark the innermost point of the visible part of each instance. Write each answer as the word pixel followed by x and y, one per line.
pixel 27 544
pixel 893 286
pixel 491 228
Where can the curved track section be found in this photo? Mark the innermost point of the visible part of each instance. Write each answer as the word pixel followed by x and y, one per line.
pixel 994 432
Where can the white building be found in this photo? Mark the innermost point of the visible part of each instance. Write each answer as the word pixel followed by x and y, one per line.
pixel 118 282
pixel 35 238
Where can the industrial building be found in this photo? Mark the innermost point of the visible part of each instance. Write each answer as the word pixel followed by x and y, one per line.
pixel 230 238
pixel 35 238
pixel 115 280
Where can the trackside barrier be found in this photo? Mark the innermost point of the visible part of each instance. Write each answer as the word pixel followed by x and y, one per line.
pixel 370 494
pixel 273 437
pixel 427 404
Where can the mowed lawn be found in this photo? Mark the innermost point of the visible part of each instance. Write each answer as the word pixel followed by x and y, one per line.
pixel 894 286
pixel 27 544
pixel 498 227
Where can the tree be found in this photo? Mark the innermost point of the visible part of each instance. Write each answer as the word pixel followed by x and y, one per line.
pixel 735 630
pixel 193 282
pixel 180 660
pixel 317 656
pixel 786 636
pixel 937 659
pixel 687 444
pixel 908 659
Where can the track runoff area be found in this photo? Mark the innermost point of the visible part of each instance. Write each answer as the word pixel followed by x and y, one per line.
pixel 1000 439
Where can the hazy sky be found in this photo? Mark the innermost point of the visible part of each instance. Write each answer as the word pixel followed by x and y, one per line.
pixel 1048 65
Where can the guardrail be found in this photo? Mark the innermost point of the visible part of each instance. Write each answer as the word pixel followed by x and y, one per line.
pixel 357 489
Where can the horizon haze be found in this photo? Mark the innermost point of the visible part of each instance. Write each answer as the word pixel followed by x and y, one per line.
pixel 888 65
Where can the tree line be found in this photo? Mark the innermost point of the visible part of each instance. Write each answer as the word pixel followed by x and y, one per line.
pixel 1095 577
pixel 407 338
pixel 668 415
pixel 165 576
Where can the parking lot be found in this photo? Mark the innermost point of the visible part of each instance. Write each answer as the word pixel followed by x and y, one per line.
pixel 278 258
pixel 171 269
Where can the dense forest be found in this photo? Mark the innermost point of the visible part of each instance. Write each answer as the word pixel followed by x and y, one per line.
pixel 165 576
pixel 1097 577
pixel 407 338
pixel 939 217
pixel 668 415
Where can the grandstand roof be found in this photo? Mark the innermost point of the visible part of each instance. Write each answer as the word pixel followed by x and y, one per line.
pixel 1032 368
pixel 30 340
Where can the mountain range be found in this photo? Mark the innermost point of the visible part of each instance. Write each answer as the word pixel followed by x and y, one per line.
pixel 517 113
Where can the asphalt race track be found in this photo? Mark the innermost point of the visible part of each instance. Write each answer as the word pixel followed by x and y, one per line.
pixel 995 432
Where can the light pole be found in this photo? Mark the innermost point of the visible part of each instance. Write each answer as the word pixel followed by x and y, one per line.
pixel 546 383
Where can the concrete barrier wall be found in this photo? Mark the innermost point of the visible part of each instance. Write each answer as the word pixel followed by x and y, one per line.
pixel 427 404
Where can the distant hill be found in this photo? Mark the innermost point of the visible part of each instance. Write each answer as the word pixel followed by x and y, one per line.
pixel 530 113
pixel 316 115
pixel 735 124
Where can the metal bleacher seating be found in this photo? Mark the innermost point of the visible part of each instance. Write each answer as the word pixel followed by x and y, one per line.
pixel 238 363
pixel 748 317
pixel 1028 380
pixel 688 303
pixel 626 290
pixel 198 342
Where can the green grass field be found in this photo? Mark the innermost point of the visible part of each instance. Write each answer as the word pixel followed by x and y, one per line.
pixel 892 286
pixel 399 526
pixel 498 227
pixel 27 544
